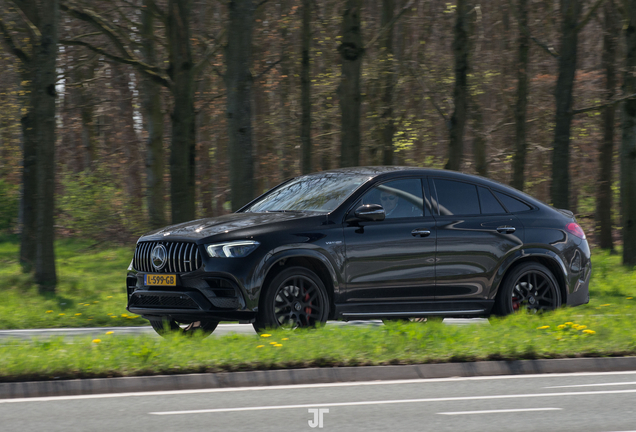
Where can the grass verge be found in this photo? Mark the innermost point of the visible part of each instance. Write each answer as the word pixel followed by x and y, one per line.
pixel 91 291
pixel 564 333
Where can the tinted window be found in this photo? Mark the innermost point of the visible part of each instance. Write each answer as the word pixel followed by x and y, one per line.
pixel 399 198
pixel 457 198
pixel 512 204
pixel 489 204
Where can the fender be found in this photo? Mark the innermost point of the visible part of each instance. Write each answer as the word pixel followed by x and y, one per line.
pixel 295 251
pixel 521 254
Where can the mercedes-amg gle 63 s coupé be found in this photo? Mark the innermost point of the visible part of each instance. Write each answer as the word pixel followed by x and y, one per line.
pixel 362 243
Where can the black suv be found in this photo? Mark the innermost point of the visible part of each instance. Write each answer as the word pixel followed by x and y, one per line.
pixel 362 243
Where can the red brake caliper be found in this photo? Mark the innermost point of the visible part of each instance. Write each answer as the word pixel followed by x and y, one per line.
pixel 308 308
pixel 515 303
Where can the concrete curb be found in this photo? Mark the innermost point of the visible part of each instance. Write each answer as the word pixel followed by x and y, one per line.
pixel 310 376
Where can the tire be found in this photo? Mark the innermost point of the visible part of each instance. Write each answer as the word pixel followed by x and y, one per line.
pixel 529 286
pixel 164 327
pixel 296 297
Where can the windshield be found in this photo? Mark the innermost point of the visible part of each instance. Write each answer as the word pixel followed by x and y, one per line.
pixel 316 192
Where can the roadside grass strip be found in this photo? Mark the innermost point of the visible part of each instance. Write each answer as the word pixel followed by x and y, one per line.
pixel 522 336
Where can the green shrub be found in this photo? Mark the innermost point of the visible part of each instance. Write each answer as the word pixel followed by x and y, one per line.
pixel 94 206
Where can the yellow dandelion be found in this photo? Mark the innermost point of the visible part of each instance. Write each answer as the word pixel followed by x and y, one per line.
pixel 543 327
pixel 78 314
pixel 561 327
pixel 260 346
pixel 581 327
pixel 278 345
pixel 265 335
pixel 113 316
pixel 124 315
pixel 629 298
pixel 62 314
pixel 109 296
pixel 97 340
pixel 607 304
pixel 285 338
pixel 110 332
pixel 588 331
pixel 273 343
pixel 569 323
pixel 49 311
pixel 96 301
pixel 109 313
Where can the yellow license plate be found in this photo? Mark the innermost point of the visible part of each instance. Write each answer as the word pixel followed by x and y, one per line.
pixel 161 280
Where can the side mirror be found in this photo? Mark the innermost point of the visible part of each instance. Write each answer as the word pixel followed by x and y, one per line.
pixel 368 212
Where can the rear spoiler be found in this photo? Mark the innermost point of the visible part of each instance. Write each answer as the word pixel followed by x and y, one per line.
pixel 567 213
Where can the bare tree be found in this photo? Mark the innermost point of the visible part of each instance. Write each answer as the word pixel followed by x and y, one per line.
pixel 461 49
pixel 628 140
pixel 305 83
pixel 351 51
pixel 238 82
pixel 521 104
pixel 37 52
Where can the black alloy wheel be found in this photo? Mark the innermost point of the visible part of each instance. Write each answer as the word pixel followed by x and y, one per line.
pixel 296 297
pixel 531 287
pixel 167 326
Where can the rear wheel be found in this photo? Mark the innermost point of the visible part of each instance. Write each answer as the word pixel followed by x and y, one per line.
pixel 530 286
pixel 296 297
pixel 167 326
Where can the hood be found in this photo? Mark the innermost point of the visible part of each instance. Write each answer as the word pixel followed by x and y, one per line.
pixel 202 228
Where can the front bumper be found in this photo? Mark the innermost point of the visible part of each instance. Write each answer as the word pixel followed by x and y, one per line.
pixel 196 296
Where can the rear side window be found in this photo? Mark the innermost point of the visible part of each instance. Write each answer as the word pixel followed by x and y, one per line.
pixel 489 204
pixel 456 198
pixel 513 205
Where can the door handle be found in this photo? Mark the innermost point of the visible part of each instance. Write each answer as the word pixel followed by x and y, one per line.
pixel 506 229
pixel 420 232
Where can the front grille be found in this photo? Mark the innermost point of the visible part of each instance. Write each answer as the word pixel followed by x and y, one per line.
pixel 181 257
pixel 152 300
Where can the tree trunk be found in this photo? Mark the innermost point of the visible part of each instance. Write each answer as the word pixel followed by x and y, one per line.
pixel 238 82
pixel 43 78
pixel 560 188
pixel 479 137
pixel 388 72
pixel 628 142
pixel 351 52
pixel 611 31
pixel 521 105
pixel 285 145
pixel 182 149
pixel 305 83
pixel 153 124
pixel 460 90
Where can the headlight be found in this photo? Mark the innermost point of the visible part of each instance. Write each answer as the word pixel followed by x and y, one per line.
pixel 235 249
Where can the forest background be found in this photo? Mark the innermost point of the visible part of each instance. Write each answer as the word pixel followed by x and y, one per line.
pixel 118 116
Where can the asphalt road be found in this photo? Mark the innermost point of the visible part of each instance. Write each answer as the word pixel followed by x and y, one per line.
pixel 221 330
pixel 592 402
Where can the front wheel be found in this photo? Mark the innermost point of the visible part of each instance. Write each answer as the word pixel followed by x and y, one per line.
pixel 530 286
pixel 166 326
pixel 296 297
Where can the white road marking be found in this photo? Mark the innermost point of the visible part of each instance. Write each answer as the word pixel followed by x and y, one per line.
pixel 593 385
pixel 390 402
pixel 304 386
pixel 500 411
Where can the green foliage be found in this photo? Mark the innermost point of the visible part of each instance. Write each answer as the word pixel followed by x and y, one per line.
pixel 9 204
pixel 94 206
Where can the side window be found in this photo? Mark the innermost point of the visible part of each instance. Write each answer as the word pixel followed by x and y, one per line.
pixel 457 198
pixel 513 205
pixel 489 204
pixel 399 198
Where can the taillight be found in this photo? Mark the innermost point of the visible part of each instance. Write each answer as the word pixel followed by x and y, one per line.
pixel 575 229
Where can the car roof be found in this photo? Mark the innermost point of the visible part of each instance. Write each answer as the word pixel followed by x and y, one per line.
pixel 386 171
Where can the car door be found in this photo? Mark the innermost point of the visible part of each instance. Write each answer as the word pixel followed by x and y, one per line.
pixel 474 234
pixel 394 259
